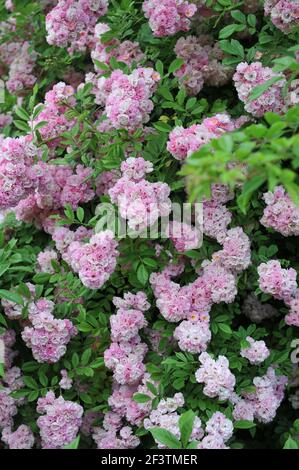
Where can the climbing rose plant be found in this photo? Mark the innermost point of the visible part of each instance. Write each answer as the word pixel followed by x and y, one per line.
pixel 123 325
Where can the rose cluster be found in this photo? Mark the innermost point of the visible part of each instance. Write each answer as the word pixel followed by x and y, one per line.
pixel 71 23
pixel 47 336
pixel 284 14
pixel 127 51
pixel 248 77
pixel 281 284
pixel 183 142
pixel 202 64
pixel 168 17
pixel 139 201
pixel 60 421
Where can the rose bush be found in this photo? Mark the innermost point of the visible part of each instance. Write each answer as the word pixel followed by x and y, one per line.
pixel 151 331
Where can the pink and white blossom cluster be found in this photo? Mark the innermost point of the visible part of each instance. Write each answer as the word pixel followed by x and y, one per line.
pixel 281 214
pixel 113 435
pixel 262 404
pixel 126 352
pixel 282 285
pixel 292 318
pixel 184 236
pixel 126 97
pixel 127 52
pixel 71 23
pixel 66 382
pixel 21 438
pixel 44 261
pixel 202 64
pixel 57 102
pixel 248 77
pixel 183 142
pixel 11 381
pixel 5 120
pixel 121 400
pixel 216 216
pixel 17 176
pixel 56 186
pixel 168 17
pixel 257 351
pixel 62 415
pixel 47 336
pixel 125 358
pixel 21 76
pixel 216 376
pixel 165 416
pixel 192 303
pixel 193 336
pixel 139 201
pixel 95 260
pixel 13 310
pixel 219 429
pixel 276 281
pixel 284 14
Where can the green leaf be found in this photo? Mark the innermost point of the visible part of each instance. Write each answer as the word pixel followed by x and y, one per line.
pixel 86 356
pixel 163 91
pixel 251 20
pixel 22 113
pixel 175 65
pixel 97 363
pixel 85 398
pixel 229 30
pixel 141 398
pixel 101 65
pixel 40 124
pixel 159 67
pixel 293 190
pixel 74 444
pixel 232 47
pixel 80 214
pixel 239 16
pixel 245 344
pixel 193 445
pixel 88 371
pixel 30 382
pixel 152 388
pixel 249 188
pixel 180 97
pixel 69 212
pixel 32 396
pixel 186 422
pixel 162 126
pixel 22 125
pixel 166 438
pixel 24 291
pixel 41 278
pixel 75 360
pixel 12 296
pixel 142 274
pixel 225 328
pixel 37 110
pixel 291 444
pixel 260 89
pixel 244 424
pixel 150 262
pixel 43 378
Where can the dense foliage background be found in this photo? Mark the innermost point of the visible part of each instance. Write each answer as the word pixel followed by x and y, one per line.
pixel 196 123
